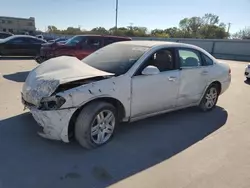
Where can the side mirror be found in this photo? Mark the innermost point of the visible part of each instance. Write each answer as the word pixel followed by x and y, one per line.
pixel 150 70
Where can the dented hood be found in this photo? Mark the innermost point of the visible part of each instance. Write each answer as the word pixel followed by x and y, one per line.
pixel 45 78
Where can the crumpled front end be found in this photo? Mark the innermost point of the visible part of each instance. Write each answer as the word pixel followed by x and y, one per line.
pixel 41 93
pixel 54 124
pixel 33 93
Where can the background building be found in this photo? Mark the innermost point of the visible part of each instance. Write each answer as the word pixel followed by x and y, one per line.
pixel 17 25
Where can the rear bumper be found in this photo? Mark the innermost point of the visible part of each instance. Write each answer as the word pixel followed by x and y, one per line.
pixel 225 85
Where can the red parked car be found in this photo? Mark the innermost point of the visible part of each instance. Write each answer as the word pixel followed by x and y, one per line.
pixel 78 46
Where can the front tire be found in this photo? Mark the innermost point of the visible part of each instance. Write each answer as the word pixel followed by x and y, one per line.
pixel 210 98
pixel 95 124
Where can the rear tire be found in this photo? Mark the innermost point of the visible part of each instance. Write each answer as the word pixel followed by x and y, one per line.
pixel 210 98
pixel 91 128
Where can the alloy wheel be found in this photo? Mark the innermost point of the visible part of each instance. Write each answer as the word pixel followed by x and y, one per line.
pixel 211 97
pixel 102 127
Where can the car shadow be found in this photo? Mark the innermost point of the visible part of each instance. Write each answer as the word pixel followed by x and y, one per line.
pixel 37 162
pixel 17 77
pixel 16 58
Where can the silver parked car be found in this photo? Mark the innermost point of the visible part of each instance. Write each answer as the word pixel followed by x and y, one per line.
pixel 124 81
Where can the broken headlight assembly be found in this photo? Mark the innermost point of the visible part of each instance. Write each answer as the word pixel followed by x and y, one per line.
pixel 51 103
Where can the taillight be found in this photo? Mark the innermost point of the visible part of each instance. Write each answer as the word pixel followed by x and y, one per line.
pixel 229 71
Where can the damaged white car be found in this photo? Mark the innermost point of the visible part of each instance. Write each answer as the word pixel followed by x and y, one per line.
pixel 247 72
pixel 124 81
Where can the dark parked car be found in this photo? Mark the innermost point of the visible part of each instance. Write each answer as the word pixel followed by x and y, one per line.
pixel 20 45
pixel 79 46
pixel 58 40
pixel 4 35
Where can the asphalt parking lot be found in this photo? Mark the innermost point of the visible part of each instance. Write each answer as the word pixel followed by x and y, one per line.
pixel 184 149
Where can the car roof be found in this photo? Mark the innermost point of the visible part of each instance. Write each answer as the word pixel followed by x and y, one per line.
pixel 110 36
pixel 153 43
pixel 26 36
pixel 2 32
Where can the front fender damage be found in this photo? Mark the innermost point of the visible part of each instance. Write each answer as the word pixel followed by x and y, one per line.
pixel 54 124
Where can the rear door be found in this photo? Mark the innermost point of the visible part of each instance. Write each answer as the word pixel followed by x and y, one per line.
pixel 194 77
pixel 33 46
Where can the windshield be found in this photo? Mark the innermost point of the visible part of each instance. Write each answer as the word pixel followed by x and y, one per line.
pixel 74 40
pixel 116 58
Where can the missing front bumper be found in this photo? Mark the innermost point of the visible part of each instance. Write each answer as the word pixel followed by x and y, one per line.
pixel 54 123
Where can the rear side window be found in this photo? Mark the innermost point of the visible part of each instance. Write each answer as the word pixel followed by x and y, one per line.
pixel 18 41
pixel 189 58
pixel 34 41
pixel 94 43
pixel 207 61
pixel 3 35
pixel 108 41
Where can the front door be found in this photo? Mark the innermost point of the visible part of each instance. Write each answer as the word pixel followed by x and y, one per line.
pixel 158 92
pixel 14 47
pixel 194 77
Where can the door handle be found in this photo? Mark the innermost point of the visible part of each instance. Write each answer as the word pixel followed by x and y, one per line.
pixel 171 78
pixel 204 72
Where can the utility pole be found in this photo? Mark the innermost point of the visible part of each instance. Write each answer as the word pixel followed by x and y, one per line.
pixel 131 25
pixel 228 28
pixel 116 15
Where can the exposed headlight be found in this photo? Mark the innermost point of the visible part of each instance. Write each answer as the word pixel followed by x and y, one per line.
pixel 51 103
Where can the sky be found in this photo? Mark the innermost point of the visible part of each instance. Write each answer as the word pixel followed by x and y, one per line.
pixel 152 14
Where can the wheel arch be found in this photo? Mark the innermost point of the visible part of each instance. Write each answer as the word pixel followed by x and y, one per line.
pixel 218 84
pixel 115 102
pixel 215 82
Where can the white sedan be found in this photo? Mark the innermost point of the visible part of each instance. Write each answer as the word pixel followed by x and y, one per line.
pixel 247 72
pixel 122 82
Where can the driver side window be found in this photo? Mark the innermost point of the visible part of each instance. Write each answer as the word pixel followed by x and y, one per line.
pixel 163 59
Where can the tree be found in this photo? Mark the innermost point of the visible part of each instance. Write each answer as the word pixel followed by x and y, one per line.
pixel 72 31
pixel 213 32
pixel 174 32
pixel 52 29
pixel 159 33
pixel 242 34
pixel 191 26
pixel 210 19
pixel 207 26
pixel 100 30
